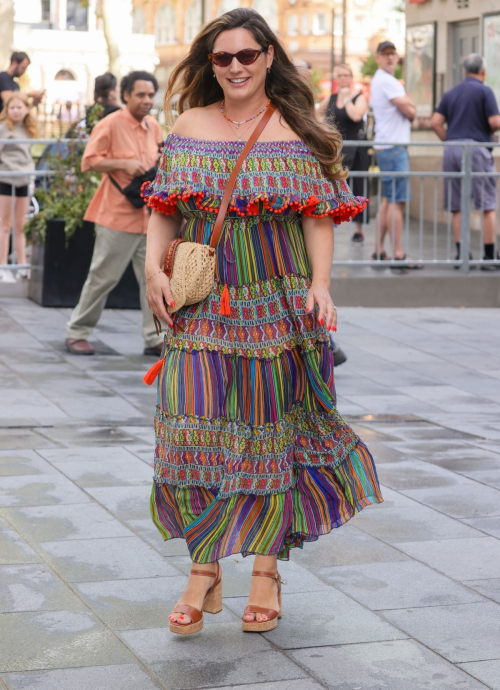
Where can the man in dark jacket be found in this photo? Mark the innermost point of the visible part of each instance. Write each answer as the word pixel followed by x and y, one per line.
pixel 471 113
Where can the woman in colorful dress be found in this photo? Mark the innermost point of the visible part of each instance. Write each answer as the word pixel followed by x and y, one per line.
pixel 251 456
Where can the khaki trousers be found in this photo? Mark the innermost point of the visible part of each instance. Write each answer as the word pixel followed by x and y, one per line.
pixel 113 251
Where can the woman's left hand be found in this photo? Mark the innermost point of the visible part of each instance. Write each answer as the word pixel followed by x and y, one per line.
pixel 327 315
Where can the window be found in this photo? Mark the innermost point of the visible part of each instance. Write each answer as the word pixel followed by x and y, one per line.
pixel 319 24
pixel 359 23
pixel 76 16
pixel 462 4
pixel 165 25
pixel 227 6
pixel 138 21
pixel 305 25
pixel 293 25
pixel 45 10
pixel 193 21
pixel 269 10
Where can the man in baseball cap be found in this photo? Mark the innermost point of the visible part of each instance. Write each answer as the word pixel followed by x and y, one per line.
pixel 394 111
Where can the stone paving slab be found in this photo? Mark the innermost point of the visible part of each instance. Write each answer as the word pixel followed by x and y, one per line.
pixel 302 684
pixel 412 523
pixel 62 522
pixel 385 585
pixel 326 618
pixel 461 559
pixel 487 672
pixel 34 588
pixel 137 603
pixel 57 639
pixel 123 677
pixel 20 462
pixel 383 666
pixel 460 633
pixel 36 490
pixel 222 655
pixel 405 596
pixel 91 560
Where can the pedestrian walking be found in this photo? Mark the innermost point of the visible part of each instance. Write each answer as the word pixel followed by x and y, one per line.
pixel 16 122
pixel 19 63
pixel 470 111
pixel 347 110
pixel 393 110
pixel 123 146
pixel 252 456
pixel 106 101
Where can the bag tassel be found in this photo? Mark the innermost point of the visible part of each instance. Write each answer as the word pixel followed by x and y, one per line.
pixel 225 309
pixel 150 377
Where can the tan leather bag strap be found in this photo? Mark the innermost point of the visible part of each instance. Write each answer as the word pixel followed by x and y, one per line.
pixel 237 167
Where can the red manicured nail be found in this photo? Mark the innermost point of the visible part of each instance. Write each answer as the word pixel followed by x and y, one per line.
pixel 334 329
pixel 308 310
pixel 172 303
pixel 169 325
pixel 321 322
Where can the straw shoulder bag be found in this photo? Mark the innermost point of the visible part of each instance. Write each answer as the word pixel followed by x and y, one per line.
pixel 190 266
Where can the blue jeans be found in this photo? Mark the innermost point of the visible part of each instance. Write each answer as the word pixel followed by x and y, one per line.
pixel 396 189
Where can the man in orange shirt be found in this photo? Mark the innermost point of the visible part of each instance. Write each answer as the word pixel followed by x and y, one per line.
pixel 124 144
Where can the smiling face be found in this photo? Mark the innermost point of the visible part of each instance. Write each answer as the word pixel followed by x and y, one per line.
pixel 387 60
pixel 242 82
pixel 140 100
pixel 17 111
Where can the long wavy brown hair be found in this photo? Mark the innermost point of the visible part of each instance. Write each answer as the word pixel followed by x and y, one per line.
pixel 192 81
pixel 29 122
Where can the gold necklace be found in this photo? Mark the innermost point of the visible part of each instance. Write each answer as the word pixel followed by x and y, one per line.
pixel 235 122
pixel 241 138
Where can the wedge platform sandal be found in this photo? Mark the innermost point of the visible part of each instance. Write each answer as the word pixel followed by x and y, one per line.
pixel 272 622
pixel 211 604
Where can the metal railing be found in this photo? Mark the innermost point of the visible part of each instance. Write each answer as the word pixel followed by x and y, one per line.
pixel 431 240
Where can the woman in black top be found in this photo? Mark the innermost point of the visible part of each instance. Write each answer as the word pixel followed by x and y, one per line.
pixel 346 110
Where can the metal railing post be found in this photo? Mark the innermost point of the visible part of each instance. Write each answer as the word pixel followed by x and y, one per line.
pixel 465 206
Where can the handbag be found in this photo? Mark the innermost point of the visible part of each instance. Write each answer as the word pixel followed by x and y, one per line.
pixel 133 190
pixel 190 266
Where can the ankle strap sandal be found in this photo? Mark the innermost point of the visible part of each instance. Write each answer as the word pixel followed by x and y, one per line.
pixel 272 615
pixel 211 604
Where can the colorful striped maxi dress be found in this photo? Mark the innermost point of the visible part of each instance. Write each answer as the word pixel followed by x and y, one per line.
pixel 251 454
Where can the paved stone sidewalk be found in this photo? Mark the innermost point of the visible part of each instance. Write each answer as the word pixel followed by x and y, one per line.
pixel 404 597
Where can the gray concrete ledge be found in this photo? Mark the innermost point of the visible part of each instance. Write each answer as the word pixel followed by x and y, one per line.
pixel 416 289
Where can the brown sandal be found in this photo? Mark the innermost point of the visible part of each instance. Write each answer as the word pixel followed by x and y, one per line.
pixel 211 604
pixel 272 622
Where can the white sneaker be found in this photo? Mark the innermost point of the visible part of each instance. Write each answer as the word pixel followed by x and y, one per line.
pixel 23 273
pixel 7 276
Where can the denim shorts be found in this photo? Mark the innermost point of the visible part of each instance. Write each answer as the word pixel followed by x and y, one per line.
pixel 484 189
pixel 395 159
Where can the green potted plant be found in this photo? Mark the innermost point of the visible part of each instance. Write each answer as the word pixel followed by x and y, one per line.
pixel 62 242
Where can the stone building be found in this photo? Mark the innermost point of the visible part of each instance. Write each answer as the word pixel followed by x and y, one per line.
pixel 66 45
pixel 304 26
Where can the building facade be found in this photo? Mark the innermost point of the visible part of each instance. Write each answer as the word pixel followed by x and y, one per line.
pixel 67 48
pixel 440 34
pixel 303 26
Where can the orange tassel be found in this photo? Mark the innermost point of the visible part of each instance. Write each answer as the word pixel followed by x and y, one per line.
pixel 224 302
pixel 150 377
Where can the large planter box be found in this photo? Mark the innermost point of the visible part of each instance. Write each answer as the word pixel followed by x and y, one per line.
pixel 59 270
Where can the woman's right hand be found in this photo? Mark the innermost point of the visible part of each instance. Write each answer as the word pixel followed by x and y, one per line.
pixel 158 294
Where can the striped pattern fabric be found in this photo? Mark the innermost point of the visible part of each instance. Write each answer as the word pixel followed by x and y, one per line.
pixel 251 453
pixel 320 500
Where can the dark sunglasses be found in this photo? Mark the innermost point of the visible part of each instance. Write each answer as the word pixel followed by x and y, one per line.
pixel 244 57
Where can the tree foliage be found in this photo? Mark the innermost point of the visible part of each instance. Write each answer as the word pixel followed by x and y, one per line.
pixel 370 67
pixel 65 195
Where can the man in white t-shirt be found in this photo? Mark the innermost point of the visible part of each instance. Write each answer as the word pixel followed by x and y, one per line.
pixel 394 111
